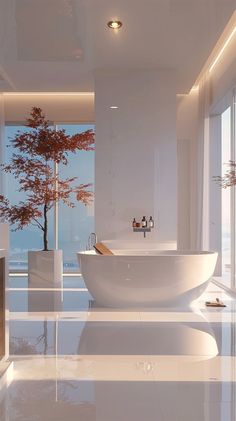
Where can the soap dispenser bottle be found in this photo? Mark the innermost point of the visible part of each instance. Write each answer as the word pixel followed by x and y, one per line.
pixel 151 222
pixel 144 222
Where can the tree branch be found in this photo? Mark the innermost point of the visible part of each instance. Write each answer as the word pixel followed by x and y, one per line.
pixel 38 224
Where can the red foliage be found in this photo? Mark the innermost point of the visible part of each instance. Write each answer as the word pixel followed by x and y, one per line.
pixel 33 167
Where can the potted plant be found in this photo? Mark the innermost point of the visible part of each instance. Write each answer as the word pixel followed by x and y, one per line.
pixel 229 178
pixel 32 164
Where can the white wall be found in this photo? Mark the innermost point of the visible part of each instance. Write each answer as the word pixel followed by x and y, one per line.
pixel 135 153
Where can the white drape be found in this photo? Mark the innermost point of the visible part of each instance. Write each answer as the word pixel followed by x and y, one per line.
pixel 199 206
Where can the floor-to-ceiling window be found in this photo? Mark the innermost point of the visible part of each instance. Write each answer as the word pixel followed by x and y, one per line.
pixel 223 205
pixel 226 263
pixel 69 228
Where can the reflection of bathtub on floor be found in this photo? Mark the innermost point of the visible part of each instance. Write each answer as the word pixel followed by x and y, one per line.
pixel 147 278
pixel 141 370
pixel 193 339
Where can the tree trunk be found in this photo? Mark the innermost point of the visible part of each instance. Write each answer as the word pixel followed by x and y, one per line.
pixel 45 336
pixel 45 231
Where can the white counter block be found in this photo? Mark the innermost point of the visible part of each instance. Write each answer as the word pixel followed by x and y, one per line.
pixel 4 307
pixel 45 269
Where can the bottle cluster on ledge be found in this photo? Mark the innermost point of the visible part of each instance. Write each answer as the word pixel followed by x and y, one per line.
pixel 144 223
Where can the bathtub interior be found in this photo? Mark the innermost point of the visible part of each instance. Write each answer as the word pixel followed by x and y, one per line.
pixel 139 244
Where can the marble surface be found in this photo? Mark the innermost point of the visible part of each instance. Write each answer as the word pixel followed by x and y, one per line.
pixel 74 360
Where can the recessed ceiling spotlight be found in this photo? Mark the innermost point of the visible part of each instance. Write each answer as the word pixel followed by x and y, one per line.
pixel 114 107
pixel 114 24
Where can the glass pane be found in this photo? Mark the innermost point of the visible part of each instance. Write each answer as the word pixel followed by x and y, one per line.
pixel 75 224
pixel 233 122
pixel 29 238
pixel 225 197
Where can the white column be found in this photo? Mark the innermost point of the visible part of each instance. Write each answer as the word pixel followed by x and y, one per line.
pixel 135 153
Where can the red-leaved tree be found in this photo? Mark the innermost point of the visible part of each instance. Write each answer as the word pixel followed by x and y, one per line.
pixel 32 164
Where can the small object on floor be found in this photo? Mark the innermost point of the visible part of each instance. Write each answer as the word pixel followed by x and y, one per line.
pixel 102 249
pixel 216 303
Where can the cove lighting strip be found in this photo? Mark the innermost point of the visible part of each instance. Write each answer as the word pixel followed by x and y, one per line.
pixel 50 93
pixel 222 49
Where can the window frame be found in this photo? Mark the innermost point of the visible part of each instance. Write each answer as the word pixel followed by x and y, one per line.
pixel 215 228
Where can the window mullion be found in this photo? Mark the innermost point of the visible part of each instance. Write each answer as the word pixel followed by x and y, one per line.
pixel 56 207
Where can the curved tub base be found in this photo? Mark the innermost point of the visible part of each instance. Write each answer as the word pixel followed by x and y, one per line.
pixel 184 301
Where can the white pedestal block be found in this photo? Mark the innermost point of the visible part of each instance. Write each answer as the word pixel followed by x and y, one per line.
pixel 45 269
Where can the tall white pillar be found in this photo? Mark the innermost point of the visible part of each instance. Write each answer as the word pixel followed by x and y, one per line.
pixel 135 153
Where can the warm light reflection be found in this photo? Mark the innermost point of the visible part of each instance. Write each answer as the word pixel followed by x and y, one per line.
pixel 121 316
pixel 49 93
pixel 24 274
pixel 195 88
pixel 10 373
pixel 125 368
pixel 50 289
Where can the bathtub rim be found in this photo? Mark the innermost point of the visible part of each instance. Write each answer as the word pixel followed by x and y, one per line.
pixel 153 253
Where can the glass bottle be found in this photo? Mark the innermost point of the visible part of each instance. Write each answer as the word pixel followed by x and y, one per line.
pixel 151 222
pixel 144 222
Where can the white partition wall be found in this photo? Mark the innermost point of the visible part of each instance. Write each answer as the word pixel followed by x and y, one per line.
pixel 135 162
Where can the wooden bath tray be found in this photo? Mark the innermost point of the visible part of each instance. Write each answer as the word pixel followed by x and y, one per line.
pixel 102 249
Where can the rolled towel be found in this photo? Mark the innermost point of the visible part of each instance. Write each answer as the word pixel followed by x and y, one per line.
pixel 216 303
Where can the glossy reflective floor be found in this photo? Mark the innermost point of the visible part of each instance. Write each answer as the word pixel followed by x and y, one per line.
pixel 76 361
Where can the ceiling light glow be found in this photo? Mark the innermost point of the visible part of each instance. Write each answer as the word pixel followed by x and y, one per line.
pixel 114 24
pixel 222 49
pixel 114 107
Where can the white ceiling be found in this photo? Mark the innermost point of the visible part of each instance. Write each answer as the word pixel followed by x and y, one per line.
pixel 55 45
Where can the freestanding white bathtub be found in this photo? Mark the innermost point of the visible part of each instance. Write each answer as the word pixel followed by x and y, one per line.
pixel 133 278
